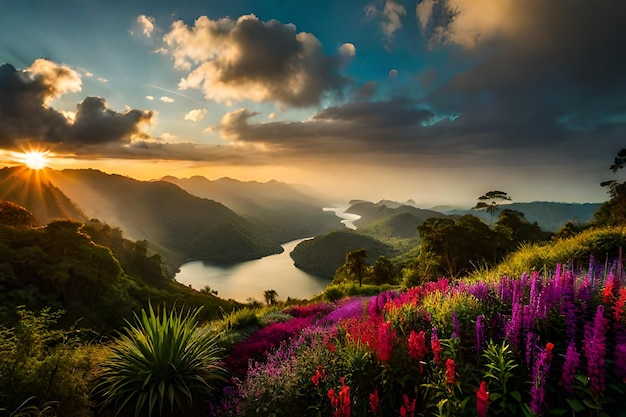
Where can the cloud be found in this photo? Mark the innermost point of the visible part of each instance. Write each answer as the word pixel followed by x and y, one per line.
pixel 248 59
pixel 166 99
pixel 26 115
pixel 347 49
pixel 393 74
pixel 195 115
pixel 531 73
pixel 151 98
pixel 393 12
pixel 147 24
pixel 391 127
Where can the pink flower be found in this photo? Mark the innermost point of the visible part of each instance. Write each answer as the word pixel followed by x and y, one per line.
pixel 482 400
pixel 374 402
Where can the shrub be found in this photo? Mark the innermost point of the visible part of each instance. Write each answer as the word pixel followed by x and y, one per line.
pixel 160 359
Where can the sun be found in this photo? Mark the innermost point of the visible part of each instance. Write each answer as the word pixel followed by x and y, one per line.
pixel 34 159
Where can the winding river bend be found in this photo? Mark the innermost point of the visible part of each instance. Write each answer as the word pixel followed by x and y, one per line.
pixel 250 279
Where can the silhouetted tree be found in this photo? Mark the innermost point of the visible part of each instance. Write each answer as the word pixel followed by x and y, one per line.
pixel 271 296
pixel 490 201
pixel 613 211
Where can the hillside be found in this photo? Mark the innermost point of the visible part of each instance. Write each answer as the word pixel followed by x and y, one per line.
pixel 283 212
pixel 166 215
pixel 550 216
pixel 323 254
pixel 90 271
pixel 34 190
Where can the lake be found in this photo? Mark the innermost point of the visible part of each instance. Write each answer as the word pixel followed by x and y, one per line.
pixel 250 279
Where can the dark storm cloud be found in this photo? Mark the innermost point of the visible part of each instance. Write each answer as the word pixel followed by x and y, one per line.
pixel 25 114
pixel 260 61
pixel 546 72
pixel 391 126
pixel 96 123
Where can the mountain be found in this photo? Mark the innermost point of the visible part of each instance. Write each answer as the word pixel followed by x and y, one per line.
pixel 323 254
pixel 550 216
pixel 166 215
pixel 34 190
pixel 385 209
pixel 282 211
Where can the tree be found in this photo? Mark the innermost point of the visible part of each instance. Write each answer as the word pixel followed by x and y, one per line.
pixel 382 270
pixel 270 296
pixel 354 267
pixel 613 212
pixel 490 202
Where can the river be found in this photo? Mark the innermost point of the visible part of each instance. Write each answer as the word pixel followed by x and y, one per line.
pixel 250 279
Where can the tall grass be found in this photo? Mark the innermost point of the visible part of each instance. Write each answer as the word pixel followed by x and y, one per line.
pixel 574 251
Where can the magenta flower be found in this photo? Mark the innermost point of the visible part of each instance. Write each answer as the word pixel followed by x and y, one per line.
pixel 594 347
pixel 572 361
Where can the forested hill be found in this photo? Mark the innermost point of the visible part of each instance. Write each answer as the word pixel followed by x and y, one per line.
pixel 89 270
pixel 550 216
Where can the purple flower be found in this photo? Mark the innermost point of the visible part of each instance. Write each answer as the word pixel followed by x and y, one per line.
pixel 457 330
pixel 538 387
pixel 480 332
pixel 620 353
pixel 572 361
pixel 350 308
pixel 594 347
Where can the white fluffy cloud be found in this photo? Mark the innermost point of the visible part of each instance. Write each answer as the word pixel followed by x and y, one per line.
pixel 195 115
pixel 166 99
pixel 147 24
pixel 56 78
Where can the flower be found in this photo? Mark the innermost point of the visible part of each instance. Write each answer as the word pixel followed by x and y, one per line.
pixel 480 332
pixel 385 342
pixel 482 399
pixel 572 360
pixel 450 371
pixel 408 408
pixel 435 345
pixel 549 349
pixel 417 347
pixel 374 402
pixel 594 347
pixel 340 402
pixel 319 375
pixel 538 387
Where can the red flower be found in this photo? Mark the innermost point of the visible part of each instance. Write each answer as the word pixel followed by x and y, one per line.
pixel 408 408
pixel 385 342
pixel 450 371
pixel 319 374
pixel 618 308
pixel 482 400
pixel 417 345
pixel 374 402
pixel 340 402
pixel 549 348
pixel 331 347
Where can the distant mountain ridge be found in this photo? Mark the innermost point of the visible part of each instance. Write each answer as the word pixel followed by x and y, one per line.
pixel 281 210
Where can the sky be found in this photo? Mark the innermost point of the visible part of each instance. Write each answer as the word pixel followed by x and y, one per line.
pixel 438 101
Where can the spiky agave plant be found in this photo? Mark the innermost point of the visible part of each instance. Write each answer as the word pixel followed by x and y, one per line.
pixel 158 364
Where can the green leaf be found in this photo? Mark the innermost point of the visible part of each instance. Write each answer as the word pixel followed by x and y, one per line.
pixel 559 411
pixel 591 404
pixel 516 395
pixel 575 404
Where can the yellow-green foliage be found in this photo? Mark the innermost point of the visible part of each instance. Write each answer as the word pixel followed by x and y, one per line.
pixel 578 248
pixel 441 305
pixel 335 292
